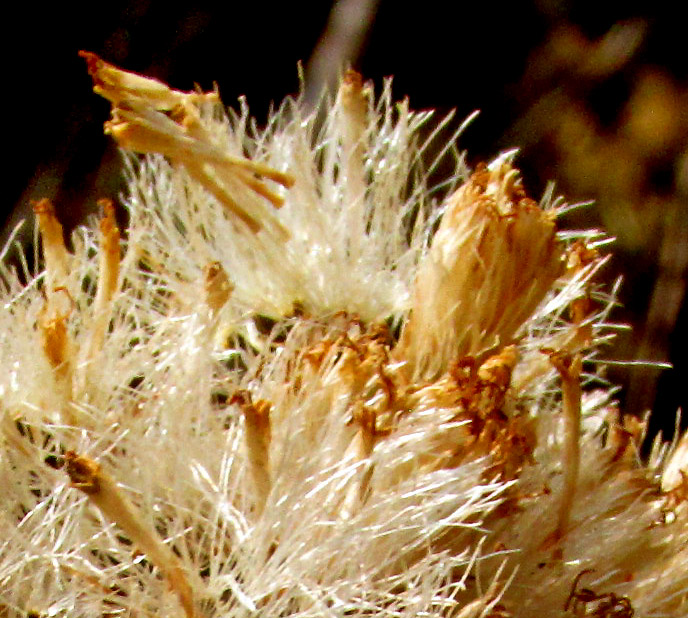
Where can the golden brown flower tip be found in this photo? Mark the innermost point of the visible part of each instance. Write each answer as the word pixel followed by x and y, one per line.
pixel 55 340
pixel 83 473
pixel 493 259
pixel 54 249
pixel 116 85
pixel 257 434
pixel 497 369
pixel 352 79
pixel 581 256
pixel 110 237
pixel 218 287
pixel 108 278
pixel 352 94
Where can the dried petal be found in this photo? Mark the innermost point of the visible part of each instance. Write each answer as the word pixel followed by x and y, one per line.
pixel 494 258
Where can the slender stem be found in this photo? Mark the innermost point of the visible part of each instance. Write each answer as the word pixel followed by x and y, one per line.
pixel 569 368
pixel 108 277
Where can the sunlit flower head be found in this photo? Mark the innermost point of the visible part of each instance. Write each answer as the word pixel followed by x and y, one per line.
pixel 307 381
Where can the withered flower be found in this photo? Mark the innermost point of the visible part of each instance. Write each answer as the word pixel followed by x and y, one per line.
pixel 302 384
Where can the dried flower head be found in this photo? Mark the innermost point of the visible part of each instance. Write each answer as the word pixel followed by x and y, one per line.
pixel 303 383
pixel 493 259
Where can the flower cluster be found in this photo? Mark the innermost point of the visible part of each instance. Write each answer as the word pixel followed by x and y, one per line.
pixel 307 383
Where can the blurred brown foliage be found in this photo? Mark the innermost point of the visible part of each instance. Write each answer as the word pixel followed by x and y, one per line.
pixel 633 164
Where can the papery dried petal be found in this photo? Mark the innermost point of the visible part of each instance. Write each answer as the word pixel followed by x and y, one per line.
pixel 492 261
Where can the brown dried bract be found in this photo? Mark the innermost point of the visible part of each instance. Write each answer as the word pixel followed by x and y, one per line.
pixel 83 473
pixel 479 394
pixel 481 389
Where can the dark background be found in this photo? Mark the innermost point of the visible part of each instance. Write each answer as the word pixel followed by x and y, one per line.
pixel 595 93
